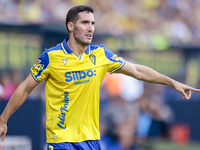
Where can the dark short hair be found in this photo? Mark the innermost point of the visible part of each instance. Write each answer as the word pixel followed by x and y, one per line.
pixel 72 15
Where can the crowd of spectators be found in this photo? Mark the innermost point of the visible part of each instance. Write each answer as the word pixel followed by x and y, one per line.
pixel 173 22
pixel 9 81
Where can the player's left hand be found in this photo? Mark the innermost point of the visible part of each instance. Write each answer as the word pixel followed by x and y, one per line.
pixel 185 90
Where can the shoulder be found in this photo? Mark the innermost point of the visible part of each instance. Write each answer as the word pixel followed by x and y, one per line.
pixel 101 48
pixel 54 48
pixel 45 55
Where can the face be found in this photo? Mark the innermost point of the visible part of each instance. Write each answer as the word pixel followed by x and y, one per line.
pixel 84 28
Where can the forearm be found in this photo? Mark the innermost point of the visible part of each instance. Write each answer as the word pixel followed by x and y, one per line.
pixel 149 75
pixel 16 100
pixel 146 74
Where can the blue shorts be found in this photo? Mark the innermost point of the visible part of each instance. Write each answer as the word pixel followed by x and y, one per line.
pixel 85 145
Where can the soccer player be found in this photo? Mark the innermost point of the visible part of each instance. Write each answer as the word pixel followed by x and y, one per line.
pixel 73 71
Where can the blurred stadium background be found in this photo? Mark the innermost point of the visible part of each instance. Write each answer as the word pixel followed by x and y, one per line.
pixel 162 34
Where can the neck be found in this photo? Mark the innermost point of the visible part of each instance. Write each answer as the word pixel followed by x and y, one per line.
pixel 76 47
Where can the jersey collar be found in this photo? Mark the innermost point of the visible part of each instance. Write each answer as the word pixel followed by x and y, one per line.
pixel 67 50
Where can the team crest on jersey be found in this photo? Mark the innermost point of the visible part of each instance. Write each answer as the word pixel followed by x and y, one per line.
pixel 93 58
pixel 64 61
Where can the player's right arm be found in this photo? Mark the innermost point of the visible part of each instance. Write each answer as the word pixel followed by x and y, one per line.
pixel 16 100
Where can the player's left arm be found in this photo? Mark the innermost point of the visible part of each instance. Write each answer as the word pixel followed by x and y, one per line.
pixel 147 74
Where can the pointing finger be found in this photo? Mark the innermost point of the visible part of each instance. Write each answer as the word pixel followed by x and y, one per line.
pixel 193 89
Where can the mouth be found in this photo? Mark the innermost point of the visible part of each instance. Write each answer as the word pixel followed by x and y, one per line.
pixel 89 36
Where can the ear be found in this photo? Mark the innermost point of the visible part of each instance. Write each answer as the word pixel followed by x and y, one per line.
pixel 70 26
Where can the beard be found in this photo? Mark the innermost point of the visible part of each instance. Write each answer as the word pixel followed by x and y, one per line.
pixel 82 42
pixel 79 37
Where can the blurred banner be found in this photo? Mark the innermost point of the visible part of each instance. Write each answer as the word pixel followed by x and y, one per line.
pixel 20 47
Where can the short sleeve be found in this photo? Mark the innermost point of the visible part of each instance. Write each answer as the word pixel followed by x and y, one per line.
pixel 40 70
pixel 115 62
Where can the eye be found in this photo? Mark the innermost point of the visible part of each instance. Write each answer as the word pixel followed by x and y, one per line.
pixel 84 22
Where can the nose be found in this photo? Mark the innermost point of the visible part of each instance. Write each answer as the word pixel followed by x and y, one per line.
pixel 91 27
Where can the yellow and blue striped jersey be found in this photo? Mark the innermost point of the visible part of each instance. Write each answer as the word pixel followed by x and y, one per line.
pixel 72 85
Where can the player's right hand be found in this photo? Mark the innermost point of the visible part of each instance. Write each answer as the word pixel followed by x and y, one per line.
pixel 3 130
